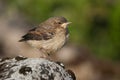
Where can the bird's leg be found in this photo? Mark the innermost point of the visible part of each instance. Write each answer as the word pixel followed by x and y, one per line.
pixel 48 56
pixel 43 53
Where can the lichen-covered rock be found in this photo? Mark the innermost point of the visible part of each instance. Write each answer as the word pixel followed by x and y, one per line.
pixel 21 68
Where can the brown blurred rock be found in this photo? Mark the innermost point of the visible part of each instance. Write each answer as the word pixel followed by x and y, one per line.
pixel 86 66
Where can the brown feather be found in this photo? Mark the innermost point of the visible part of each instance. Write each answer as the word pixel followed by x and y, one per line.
pixel 34 34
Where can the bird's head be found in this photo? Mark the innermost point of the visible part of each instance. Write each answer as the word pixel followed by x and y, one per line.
pixel 58 22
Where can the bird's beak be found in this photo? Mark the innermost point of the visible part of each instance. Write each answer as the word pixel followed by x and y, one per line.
pixel 68 23
pixel 64 25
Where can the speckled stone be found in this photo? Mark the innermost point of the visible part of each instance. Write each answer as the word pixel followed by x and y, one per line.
pixel 21 68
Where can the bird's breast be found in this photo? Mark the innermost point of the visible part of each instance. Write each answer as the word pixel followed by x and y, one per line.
pixel 51 45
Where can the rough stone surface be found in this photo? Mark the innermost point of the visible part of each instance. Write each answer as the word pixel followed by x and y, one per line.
pixel 21 68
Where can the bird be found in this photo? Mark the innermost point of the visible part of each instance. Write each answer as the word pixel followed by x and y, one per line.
pixel 49 36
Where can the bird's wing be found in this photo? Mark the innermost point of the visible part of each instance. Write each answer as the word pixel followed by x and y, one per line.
pixel 40 34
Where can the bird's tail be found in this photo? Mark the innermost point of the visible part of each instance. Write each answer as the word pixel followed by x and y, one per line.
pixel 21 40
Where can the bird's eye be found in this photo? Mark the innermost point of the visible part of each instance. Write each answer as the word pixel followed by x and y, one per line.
pixel 59 23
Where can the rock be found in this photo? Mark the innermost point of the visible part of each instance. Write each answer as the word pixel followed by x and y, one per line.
pixel 21 68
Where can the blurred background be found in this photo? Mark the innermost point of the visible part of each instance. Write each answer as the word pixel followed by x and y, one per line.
pixel 93 50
